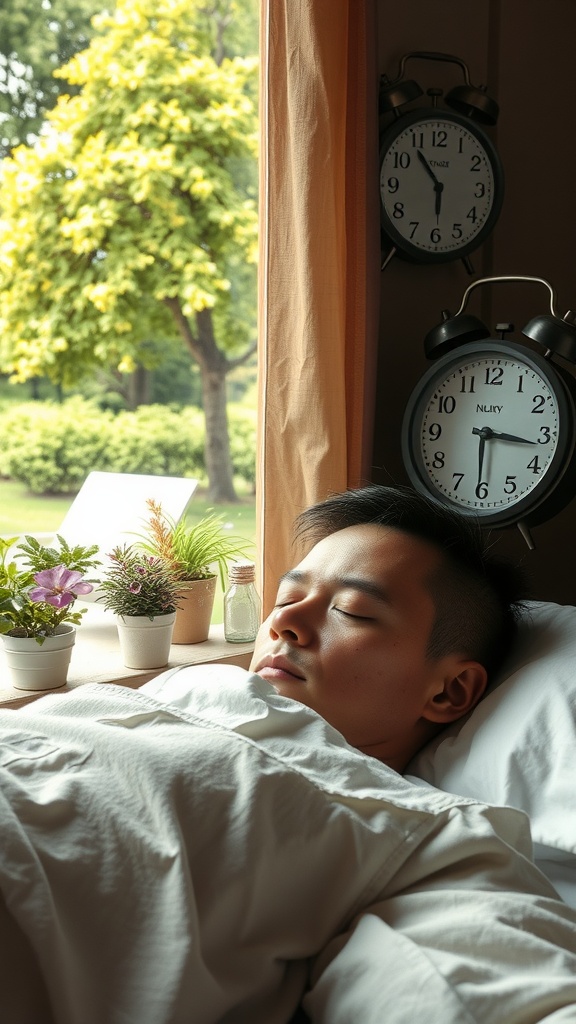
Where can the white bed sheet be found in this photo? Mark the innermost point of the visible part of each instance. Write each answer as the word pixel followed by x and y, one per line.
pixel 185 852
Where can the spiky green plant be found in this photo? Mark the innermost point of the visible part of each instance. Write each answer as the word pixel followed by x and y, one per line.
pixel 192 550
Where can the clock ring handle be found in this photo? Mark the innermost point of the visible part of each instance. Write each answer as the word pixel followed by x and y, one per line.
pixel 504 278
pixel 433 55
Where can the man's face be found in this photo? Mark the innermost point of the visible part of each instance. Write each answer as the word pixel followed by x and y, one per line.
pixel 349 633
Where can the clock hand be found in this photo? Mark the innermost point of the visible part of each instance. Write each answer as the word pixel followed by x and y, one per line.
pixel 481 447
pixel 426 166
pixel 438 185
pixel 511 437
pixel 488 433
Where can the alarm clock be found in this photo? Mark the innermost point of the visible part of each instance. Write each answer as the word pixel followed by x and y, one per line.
pixel 441 186
pixel 441 178
pixel 490 427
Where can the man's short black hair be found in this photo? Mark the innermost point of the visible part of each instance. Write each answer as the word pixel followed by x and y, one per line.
pixel 477 597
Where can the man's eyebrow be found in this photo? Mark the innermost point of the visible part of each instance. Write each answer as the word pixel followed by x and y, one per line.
pixel 293 576
pixel 365 587
pixel 359 583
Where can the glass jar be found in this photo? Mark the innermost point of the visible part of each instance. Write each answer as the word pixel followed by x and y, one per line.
pixel 241 604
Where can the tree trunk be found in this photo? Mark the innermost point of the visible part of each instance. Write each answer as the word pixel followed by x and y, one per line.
pixel 217 450
pixel 214 367
pixel 139 387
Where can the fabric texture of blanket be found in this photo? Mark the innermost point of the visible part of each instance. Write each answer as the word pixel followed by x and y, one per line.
pixel 190 851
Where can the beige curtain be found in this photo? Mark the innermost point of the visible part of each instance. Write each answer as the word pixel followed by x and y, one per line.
pixel 318 262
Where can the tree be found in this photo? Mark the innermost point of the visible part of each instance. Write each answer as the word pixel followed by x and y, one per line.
pixel 134 215
pixel 35 40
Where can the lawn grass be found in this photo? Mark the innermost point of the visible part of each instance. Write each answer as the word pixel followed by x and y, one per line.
pixel 22 512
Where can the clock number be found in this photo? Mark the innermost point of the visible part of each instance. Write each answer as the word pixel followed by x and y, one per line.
pixel 401 160
pixel 438 460
pixel 538 401
pixel 475 162
pixel 434 431
pixel 439 138
pixel 520 388
pixel 457 478
pixel 481 490
pixel 471 215
pixel 393 184
pixel 534 465
pixel 446 403
pixel 457 231
pixel 467 384
pixel 510 485
pixel 398 211
pixel 418 140
pixel 414 225
pixel 547 436
pixel 435 236
pixel 494 375
pixel 480 190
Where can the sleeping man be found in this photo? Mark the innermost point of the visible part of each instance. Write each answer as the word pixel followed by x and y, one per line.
pixel 208 848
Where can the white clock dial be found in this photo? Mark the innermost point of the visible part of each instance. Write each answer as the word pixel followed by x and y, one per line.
pixel 489 431
pixel 440 185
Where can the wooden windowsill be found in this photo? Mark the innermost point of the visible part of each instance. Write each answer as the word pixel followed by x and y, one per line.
pixel 96 658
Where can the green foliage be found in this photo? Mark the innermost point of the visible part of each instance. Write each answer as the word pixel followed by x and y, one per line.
pixel 51 448
pixel 137 584
pixel 39 556
pixel 192 550
pixel 125 220
pixel 36 38
pixel 157 440
pixel 26 611
pixel 242 421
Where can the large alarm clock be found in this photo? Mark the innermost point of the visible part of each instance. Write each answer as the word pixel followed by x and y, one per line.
pixel 490 429
pixel 441 179
pixel 441 185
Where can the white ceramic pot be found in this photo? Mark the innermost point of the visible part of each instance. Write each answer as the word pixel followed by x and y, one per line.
pixel 34 666
pixel 144 642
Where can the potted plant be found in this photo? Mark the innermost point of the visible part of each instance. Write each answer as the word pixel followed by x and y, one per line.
pixel 194 552
pixel 38 619
pixel 142 591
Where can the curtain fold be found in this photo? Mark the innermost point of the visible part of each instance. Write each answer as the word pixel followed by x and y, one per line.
pixel 319 256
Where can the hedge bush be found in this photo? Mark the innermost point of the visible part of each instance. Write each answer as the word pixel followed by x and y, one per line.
pixel 51 448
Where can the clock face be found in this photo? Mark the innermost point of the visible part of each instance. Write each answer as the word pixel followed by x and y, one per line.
pixel 441 186
pixel 490 430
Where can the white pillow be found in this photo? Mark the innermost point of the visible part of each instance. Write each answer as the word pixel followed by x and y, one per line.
pixel 518 746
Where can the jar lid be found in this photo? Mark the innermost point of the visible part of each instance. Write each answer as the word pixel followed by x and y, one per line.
pixel 242 572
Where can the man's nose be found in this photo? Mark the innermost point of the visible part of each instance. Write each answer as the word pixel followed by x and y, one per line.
pixel 292 622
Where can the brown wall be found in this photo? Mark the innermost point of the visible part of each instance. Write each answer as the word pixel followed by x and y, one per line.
pixel 523 51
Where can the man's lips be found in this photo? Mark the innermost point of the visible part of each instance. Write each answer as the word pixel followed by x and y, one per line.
pixel 276 668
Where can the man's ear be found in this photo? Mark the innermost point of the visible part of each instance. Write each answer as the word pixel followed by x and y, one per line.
pixel 464 685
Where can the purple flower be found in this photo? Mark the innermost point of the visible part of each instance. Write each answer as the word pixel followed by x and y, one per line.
pixel 59 586
pixel 135 588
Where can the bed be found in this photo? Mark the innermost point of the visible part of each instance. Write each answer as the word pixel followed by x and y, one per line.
pixel 203 850
pixel 518 747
